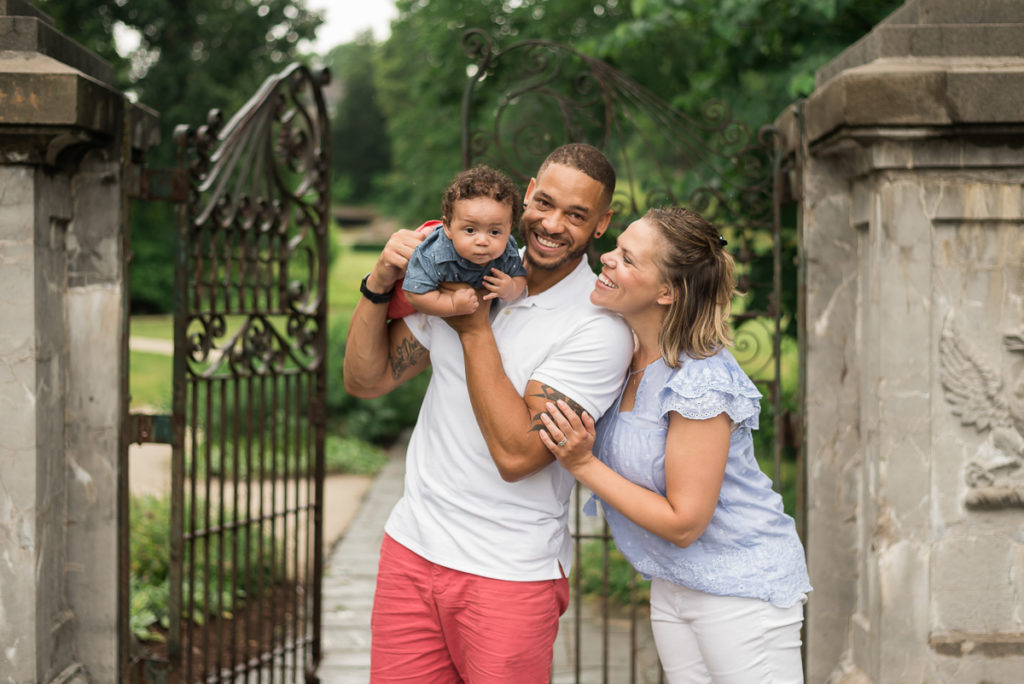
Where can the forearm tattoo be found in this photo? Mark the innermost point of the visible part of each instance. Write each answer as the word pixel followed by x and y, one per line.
pixel 552 395
pixel 408 352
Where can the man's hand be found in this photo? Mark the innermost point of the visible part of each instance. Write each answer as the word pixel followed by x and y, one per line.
pixel 393 260
pixel 475 320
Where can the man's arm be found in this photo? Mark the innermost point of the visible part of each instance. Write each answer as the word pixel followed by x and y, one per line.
pixel 510 423
pixel 380 356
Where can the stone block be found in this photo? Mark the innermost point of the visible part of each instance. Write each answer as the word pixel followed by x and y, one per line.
pixel 31 31
pixel 17 201
pixel 922 93
pixel 960 41
pixel 902 625
pixel 974 12
pixel 969 594
pixel 37 90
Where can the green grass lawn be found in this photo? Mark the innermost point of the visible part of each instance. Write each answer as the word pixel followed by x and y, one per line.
pixel 149 381
pixel 343 281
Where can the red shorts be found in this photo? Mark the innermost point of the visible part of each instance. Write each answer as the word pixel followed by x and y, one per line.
pixel 434 624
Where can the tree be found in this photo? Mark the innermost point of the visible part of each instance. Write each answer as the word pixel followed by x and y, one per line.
pixel 360 147
pixel 423 72
pixel 192 56
pixel 756 56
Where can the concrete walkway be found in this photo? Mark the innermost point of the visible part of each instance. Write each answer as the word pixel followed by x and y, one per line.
pixel 348 585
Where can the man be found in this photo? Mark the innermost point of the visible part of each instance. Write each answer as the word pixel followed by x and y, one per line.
pixel 472 575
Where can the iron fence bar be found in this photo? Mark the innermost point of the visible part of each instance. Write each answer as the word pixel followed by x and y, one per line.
pixel 318 518
pixel 222 410
pixel 262 517
pixel 275 515
pixel 604 607
pixel 277 543
pixel 249 520
pixel 208 455
pixel 577 588
pixel 235 481
pixel 296 450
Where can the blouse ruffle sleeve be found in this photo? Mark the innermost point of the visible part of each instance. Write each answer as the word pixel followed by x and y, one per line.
pixel 703 388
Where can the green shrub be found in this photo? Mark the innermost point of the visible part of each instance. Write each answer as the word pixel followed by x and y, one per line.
pixel 621 580
pixel 352 455
pixel 380 420
pixel 149 568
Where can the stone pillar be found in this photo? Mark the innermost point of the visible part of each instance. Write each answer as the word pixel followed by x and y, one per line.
pixel 65 135
pixel 910 179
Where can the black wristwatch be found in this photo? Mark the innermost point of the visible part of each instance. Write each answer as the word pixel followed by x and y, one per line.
pixel 373 296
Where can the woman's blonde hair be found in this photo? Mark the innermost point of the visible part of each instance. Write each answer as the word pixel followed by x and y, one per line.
pixel 701 274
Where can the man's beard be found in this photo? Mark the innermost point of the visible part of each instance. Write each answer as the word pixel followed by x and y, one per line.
pixel 572 256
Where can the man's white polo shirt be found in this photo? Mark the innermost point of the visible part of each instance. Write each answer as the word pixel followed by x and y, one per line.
pixel 456 510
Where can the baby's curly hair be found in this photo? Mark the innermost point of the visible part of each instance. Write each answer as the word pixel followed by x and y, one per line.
pixel 483 181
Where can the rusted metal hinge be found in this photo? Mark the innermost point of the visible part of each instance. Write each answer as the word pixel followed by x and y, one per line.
pixel 149 428
pixel 168 185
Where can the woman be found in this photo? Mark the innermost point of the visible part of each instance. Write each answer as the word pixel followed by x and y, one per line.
pixel 673 463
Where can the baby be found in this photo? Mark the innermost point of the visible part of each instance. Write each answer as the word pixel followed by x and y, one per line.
pixel 472 244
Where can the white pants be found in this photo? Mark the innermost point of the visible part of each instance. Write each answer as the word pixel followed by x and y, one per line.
pixel 724 639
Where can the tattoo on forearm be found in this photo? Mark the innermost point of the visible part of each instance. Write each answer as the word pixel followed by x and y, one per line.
pixel 552 395
pixel 407 354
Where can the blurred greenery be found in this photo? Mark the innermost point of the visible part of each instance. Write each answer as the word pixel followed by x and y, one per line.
pixel 230 584
pixel 396 137
pixel 604 571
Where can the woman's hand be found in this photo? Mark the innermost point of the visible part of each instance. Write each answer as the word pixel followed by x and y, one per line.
pixel 568 436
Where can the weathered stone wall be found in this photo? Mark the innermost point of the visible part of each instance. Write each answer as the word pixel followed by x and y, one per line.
pixel 63 163
pixel 33 629
pixel 911 184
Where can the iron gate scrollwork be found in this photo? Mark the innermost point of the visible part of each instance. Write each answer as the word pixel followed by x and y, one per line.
pixel 249 386
pixel 522 101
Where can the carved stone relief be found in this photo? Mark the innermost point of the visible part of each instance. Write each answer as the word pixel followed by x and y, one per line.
pixel 995 475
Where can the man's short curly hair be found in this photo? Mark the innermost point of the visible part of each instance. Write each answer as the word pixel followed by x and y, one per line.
pixel 482 181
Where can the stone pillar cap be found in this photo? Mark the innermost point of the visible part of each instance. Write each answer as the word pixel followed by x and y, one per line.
pixel 55 95
pixel 23 28
pixel 934 29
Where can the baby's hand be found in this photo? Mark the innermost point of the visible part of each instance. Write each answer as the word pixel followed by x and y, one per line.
pixel 502 285
pixel 464 301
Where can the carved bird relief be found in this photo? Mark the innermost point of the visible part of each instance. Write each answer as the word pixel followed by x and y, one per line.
pixel 978 398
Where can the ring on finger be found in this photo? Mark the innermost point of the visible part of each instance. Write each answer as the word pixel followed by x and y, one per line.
pixel 562 442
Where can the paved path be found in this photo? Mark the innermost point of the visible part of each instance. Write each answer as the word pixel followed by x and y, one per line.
pixel 349 578
pixel 348 584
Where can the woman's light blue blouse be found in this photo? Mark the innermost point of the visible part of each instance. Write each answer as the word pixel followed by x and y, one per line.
pixel 750 548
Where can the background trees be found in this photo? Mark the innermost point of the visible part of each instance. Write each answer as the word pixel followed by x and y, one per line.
pixel 396 136
pixel 182 58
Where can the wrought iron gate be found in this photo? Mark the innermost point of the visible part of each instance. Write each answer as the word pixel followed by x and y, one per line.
pixel 248 411
pixel 522 101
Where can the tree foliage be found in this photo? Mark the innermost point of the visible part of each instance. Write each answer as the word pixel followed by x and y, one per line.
pixel 423 74
pixel 756 56
pixel 360 146
pixel 397 128
pixel 191 56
